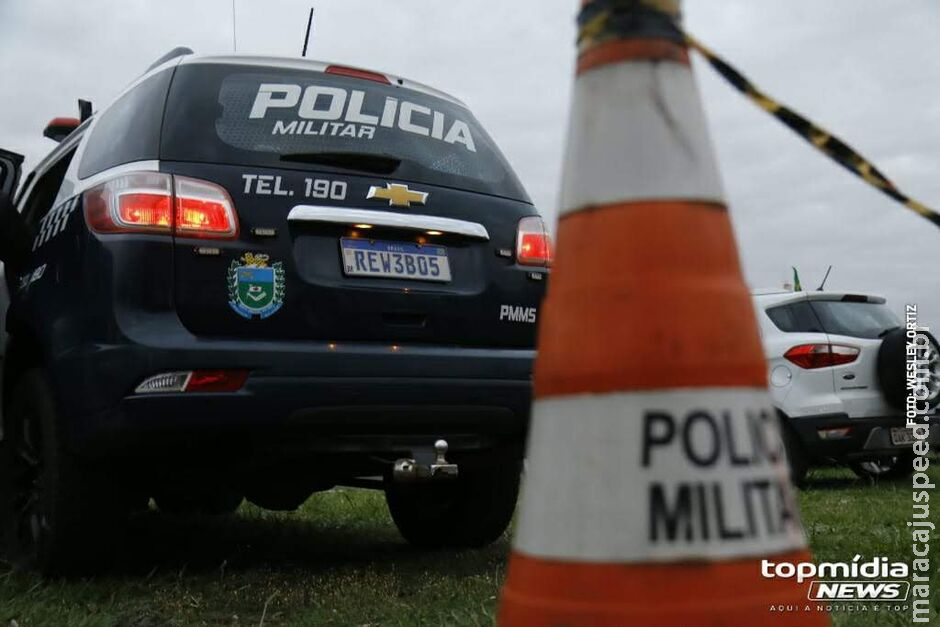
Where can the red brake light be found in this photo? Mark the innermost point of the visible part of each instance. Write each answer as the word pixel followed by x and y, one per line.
pixel 145 210
pixel 811 356
pixel 136 202
pixel 533 243
pixel 203 210
pixel 152 202
pixel 342 70
pixel 193 381
pixel 216 380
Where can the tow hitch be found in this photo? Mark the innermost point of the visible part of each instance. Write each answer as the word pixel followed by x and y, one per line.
pixel 425 465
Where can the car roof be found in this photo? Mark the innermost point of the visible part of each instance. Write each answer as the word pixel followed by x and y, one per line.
pixel 295 63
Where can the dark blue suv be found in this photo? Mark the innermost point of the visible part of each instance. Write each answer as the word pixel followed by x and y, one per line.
pixel 259 278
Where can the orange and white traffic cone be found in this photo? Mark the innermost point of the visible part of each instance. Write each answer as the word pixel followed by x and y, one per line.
pixel 657 481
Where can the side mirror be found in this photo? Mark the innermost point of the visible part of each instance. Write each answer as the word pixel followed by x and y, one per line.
pixel 60 128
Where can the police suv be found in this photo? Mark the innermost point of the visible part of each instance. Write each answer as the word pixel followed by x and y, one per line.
pixel 259 278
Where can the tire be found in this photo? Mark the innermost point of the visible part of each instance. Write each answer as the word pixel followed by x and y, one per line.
pixel 894 468
pixel 206 501
pixel 797 458
pixel 57 515
pixel 892 368
pixel 469 512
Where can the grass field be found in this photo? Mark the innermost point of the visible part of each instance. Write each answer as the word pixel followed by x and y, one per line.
pixel 340 561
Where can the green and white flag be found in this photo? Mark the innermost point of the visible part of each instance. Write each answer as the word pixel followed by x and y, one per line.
pixel 796 281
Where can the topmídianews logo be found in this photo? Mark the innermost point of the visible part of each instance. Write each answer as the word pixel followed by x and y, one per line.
pixel 846 584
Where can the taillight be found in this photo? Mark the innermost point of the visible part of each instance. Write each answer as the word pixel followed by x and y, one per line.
pixel 811 356
pixel 194 381
pixel 136 202
pixel 533 243
pixel 152 202
pixel 838 433
pixel 203 210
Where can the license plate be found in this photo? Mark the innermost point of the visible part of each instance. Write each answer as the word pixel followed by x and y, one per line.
pixel 394 260
pixel 901 436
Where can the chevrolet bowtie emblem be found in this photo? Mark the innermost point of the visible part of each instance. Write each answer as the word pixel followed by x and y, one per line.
pixel 397 195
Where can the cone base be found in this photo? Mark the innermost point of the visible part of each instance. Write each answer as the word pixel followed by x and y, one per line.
pixel 716 594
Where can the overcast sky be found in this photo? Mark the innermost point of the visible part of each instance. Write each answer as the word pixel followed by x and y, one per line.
pixel 866 70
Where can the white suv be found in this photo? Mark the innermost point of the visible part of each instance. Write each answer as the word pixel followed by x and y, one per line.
pixel 836 373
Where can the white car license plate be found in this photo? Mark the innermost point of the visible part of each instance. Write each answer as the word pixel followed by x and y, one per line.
pixel 901 436
pixel 394 260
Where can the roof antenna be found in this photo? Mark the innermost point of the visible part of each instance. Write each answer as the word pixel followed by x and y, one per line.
pixel 823 284
pixel 307 36
pixel 234 39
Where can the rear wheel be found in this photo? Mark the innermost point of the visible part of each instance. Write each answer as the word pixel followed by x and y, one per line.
pixel 797 457
pixel 471 511
pixel 891 468
pixel 57 515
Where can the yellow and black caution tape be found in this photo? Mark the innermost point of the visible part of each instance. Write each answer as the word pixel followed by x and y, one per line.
pixel 602 19
pixel 820 138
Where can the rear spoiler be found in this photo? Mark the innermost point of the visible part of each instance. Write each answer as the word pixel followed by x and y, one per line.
pixel 846 298
pixel 179 51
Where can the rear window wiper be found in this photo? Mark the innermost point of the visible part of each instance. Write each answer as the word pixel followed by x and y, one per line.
pixel 361 161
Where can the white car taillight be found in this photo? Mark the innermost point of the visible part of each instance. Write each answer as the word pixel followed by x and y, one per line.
pixel 811 356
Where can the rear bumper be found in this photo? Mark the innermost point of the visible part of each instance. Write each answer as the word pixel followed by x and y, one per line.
pixel 276 416
pixel 300 398
pixel 868 437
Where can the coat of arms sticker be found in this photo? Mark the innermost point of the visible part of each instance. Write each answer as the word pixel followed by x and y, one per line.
pixel 255 288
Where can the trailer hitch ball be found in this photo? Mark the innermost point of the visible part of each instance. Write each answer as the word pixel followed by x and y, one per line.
pixel 425 466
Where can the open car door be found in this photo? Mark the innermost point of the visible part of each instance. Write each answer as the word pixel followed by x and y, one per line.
pixel 14 236
pixel 10 163
pixel 14 242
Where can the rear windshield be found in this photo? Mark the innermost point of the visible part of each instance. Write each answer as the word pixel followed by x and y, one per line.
pixel 855 319
pixel 850 318
pixel 247 115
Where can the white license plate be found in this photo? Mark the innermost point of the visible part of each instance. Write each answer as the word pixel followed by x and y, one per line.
pixel 901 436
pixel 394 260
